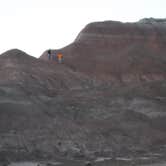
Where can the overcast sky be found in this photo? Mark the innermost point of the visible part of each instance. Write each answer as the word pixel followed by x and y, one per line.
pixel 36 25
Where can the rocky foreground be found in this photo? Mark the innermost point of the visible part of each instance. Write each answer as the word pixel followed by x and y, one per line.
pixel 107 98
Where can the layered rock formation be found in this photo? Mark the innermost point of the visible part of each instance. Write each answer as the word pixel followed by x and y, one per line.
pixel 107 98
pixel 119 51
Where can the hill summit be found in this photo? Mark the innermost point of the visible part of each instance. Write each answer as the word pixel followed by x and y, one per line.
pixel 125 52
pixel 15 53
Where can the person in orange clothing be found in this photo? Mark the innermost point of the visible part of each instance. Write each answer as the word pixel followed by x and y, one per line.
pixel 60 57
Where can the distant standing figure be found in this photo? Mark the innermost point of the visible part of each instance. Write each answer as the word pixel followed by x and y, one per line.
pixel 59 56
pixel 49 54
pixel 54 56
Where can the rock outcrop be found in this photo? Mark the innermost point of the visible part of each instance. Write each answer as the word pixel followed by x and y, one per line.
pixel 125 52
pixel 107 98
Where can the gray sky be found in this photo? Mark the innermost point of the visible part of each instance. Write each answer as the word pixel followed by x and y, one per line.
pixel 36 25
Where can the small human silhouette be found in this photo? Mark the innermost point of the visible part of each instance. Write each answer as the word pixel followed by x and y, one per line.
pixel 54 57
pixel 49 54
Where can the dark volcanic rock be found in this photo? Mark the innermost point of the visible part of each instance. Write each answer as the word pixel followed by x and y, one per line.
pixel 107 98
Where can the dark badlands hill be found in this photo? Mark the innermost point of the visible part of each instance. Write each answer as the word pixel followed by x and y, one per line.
pixel 107 98
pixel 119 51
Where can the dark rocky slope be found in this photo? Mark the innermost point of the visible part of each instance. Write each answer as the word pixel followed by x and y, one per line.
pixel 108 97
pixel 119 51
